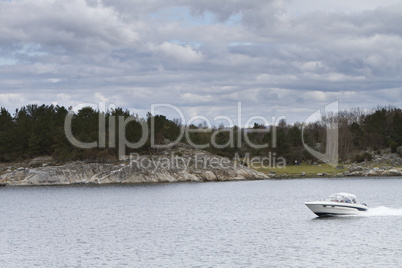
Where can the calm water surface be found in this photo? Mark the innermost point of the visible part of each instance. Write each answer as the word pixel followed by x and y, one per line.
pixel 222 224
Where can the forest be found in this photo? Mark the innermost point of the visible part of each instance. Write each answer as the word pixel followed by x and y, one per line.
pixel 38 130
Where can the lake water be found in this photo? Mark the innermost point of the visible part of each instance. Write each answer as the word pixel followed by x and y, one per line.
pixel 220 224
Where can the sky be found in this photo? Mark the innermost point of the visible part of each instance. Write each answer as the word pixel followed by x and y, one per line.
pixel 268 59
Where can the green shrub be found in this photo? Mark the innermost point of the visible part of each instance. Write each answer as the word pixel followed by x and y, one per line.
pixel 363 157
pixel 393 146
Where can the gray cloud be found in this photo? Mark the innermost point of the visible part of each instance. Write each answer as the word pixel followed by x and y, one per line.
pixel 200 56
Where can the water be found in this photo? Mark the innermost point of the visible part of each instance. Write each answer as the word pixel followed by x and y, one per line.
pixel 222 224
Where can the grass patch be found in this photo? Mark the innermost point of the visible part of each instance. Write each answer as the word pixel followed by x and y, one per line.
pixel 310 170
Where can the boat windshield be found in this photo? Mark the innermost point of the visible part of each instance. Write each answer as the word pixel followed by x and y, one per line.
pixel 343 198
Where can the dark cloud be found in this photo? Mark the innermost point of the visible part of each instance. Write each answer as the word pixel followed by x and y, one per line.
pixel 200 56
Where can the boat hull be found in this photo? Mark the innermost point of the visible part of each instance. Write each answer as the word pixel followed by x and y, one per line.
pixel 334 209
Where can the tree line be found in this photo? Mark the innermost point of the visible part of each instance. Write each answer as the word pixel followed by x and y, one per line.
pixel 35 130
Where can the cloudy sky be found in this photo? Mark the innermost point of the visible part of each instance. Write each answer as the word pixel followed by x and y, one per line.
pixel 277 57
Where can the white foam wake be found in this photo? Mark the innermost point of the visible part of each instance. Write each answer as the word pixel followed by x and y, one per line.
pixel 383 211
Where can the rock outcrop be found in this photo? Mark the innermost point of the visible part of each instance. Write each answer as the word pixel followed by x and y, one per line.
pixel 179 163
pixel 359 171
pixel 382 164
pixel 41 161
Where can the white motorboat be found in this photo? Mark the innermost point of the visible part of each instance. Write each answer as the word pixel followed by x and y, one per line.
pixel 337 204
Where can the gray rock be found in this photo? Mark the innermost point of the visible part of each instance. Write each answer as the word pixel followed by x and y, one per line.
pixel 375 172
pixel 394 172
pixel 40 161
pixel 197 165
pixel 356 168
pixel 358 173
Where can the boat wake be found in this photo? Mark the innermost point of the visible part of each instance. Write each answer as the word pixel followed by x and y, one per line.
pixel 382 211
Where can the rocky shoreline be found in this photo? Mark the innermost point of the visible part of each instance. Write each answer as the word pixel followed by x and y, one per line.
pixel 384 163
pixel 180 163
pixel 356 171
pixel 381 164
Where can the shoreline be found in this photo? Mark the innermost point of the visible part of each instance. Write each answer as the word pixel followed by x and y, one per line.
pixel 86 175
pixel 188 165
pixel 91 174
pixel 92 184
